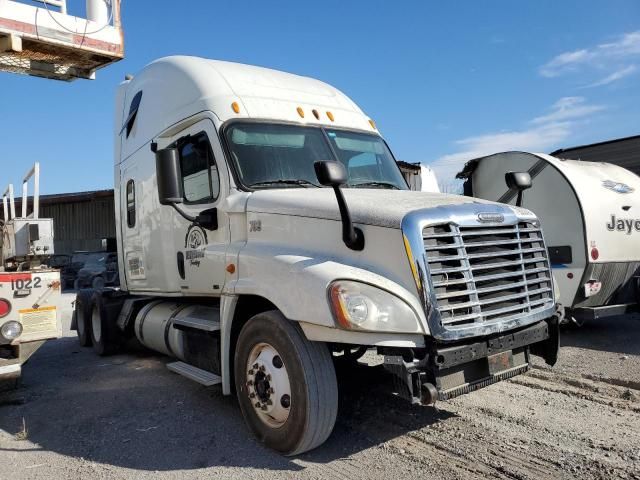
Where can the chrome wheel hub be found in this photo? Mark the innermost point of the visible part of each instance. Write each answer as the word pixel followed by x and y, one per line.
pixel 268 385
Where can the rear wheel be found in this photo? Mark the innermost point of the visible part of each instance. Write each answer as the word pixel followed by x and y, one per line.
pixel 286 385
pixel 83 317
pixel 104 332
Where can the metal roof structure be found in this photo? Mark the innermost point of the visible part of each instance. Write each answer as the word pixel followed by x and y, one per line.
pixel 624 152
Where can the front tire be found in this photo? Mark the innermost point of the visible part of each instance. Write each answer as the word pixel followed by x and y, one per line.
pixel 286 385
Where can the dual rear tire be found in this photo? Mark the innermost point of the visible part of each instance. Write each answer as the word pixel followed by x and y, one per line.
pixel 94 325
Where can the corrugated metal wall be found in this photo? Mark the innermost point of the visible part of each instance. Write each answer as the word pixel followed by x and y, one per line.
pixel 81 225
pixel 80 220
pixel 624 152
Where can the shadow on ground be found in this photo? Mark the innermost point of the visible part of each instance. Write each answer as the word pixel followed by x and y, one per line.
pixel 129 411
pixel 619 334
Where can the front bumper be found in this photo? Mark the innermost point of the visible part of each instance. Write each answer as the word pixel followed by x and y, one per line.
pixel 447 371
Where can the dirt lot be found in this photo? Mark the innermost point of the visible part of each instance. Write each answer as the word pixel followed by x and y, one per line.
pixel 128 417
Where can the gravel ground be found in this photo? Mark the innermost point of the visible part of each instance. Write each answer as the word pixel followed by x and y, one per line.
pixel 128 417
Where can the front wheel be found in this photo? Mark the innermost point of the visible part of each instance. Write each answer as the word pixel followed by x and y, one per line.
pixel 286 385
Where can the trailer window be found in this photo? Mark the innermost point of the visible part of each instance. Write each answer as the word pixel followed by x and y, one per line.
pixel 131 204
pixel 200 176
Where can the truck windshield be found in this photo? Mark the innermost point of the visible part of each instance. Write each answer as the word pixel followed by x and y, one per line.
pixel 281 156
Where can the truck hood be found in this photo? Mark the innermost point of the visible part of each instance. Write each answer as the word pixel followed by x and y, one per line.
pixel 380 207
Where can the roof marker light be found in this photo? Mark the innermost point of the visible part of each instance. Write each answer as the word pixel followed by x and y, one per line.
pixel 330 115
pixel 300 112
pixel 373 124
pixel 316 114
pixel 235 107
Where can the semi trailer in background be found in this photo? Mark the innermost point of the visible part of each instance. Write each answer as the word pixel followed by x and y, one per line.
pixel 590 214
pixel 264 228
pixel 30 292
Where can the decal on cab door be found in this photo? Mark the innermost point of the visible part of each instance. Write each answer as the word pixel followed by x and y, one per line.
pixel 194 242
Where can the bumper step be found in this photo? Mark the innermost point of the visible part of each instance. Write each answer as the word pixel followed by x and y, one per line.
pixel 470 387
pixel 196 374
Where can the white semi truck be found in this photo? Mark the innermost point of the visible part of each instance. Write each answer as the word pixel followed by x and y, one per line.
pixel 263 226
pixel 590 213
pixel 30 293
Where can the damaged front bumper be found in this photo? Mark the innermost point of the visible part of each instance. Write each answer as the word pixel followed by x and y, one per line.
pixel 445 371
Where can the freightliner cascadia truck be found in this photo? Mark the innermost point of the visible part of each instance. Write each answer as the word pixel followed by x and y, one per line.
pixel 264 229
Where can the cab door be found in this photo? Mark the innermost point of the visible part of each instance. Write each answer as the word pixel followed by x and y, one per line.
pixel 200 252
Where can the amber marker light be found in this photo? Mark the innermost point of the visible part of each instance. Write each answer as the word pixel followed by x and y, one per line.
pixel 338 307
pixel 373 124
pixel 412 263
pixel 300 112
pixel 235 107
pixel 330 115
pixel 231 268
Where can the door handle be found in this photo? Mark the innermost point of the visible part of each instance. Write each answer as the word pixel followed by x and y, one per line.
pixel 181 265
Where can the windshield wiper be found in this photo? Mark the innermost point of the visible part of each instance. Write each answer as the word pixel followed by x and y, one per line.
pixel 375 184
pixel 297 181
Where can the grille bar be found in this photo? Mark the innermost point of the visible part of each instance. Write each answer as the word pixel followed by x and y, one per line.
pixel 484 275
pixel 496 288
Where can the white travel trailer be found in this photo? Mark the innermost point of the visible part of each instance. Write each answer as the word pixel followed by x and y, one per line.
pixel 263 226
pixel 590 214
pixel 420 178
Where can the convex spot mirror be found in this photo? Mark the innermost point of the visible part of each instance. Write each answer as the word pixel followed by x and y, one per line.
pixel 330 173
pixel 169 177
pixel 518 180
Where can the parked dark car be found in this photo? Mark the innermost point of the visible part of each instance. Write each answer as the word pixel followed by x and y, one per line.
pixel 63 262
pixel 100 269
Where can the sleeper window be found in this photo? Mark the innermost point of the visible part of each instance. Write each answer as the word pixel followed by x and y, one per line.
pixel 131 204
pixel 200 177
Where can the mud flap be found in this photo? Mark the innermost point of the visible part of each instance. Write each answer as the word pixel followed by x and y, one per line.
pixel 549 348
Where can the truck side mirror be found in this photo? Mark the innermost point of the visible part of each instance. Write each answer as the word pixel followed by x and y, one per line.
pixel 171 190
pixel 169 176
pixel 330 174
pixel 519 181
pixel 333 174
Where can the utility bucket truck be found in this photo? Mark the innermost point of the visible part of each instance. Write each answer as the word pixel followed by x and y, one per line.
pixel 591 218
pixel 30 294
pixel 45 40
pixel 264 228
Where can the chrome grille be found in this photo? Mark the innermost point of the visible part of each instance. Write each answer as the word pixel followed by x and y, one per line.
pixel 484 275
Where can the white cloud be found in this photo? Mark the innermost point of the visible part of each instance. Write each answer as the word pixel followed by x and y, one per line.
pixel 567 108
pixel 605 56
pixel 565 62
pixel 614 77
pixel 542 134
pixel 626 46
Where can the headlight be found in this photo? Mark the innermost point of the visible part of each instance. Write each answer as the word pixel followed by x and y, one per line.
pixel 359 306
pixel 11 330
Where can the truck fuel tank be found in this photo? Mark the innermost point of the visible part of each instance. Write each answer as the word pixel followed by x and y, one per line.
pixel 186 331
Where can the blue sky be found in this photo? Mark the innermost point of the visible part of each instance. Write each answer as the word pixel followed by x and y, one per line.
pixel 445 81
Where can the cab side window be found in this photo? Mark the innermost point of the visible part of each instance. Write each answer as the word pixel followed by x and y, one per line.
pixel 200 177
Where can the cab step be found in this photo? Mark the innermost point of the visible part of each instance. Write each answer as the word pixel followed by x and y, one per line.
pixel 196 323
pixel 196 374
